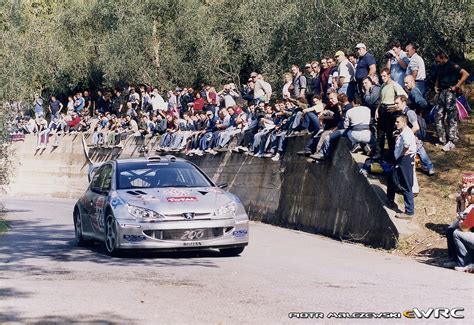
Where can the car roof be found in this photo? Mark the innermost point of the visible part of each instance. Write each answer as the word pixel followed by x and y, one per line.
pixel 167 158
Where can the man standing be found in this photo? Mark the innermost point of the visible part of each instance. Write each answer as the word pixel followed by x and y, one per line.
pixel 299 82
pixel 55 107
pixel 412 117
pixel 38 102
pixel 366 66
pixel 416 67
pixel 397 62
pixel 345 76
pixel 385 119
pixel 312 81
pixel 79 103
pixel 449 79
pixel 405 149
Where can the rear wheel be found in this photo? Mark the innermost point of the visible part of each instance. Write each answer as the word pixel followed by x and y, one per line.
pixel 235 251
pixel 111 236
pixel 80 241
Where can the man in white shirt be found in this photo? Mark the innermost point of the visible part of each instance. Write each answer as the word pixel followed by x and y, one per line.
pixel 345 81
pixel 401 177
pixel 416 67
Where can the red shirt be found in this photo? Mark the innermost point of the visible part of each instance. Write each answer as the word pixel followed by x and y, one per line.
pixel 469 221
pixel 198 104
pixel 74 122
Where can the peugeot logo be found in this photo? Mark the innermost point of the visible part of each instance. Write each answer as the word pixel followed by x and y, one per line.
pixel 188 215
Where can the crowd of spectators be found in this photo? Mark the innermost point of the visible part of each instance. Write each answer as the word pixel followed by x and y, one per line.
pixel 345 95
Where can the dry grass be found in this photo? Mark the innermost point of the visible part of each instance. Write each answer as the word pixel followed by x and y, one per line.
pixel 435 205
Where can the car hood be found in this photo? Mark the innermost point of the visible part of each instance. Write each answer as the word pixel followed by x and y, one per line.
pixel 172 200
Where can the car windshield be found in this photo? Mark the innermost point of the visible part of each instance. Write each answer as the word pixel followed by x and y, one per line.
pixel 159 174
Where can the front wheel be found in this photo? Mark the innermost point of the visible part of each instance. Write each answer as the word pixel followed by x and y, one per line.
pixel 111 236
pixel 80 241
pixel 231 251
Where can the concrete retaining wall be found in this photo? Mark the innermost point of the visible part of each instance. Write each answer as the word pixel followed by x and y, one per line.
pixel 331 198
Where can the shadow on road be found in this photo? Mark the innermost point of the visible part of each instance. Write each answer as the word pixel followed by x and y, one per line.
pixel 106 318
pixel 29 247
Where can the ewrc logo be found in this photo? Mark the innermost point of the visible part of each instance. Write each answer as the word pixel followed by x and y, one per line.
pixel 435 312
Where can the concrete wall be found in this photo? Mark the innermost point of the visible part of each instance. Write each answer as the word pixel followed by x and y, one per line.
pixel 332 199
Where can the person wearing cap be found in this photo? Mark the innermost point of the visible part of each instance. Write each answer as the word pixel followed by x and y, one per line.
pixel 366 66
pixel 345 80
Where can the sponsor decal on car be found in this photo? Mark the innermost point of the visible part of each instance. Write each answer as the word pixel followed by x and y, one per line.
pixel 193 243
pixel 175 192
pixel 115 202
pixel 149 198
pixel 181 199
pixel 214 190
pixel 240 233
pixel 134 238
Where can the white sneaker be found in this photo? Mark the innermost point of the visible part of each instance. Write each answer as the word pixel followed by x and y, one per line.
pixel 448 146
pixel 244 149
pixel 199 152
pixel 259 155
pixel 276 157
pixel 468 268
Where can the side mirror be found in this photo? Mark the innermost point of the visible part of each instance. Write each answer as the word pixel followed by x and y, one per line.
pixel 98 190
pixel 222 186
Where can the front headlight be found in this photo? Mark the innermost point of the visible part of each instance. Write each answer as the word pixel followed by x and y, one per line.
pixel 228 209
pixel 143 213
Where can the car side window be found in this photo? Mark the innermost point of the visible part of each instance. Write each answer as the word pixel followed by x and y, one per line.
pixel 96 179
pixel 106 176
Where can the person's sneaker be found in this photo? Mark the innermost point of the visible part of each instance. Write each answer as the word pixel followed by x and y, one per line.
pixel 244 149
pixel 367 151
pixel 448 146
pixel 213 152
pixel 259 155
pixel 303 153
pixel 431 172
pixel 317 156
pixel 356 148
pixel 268 155
pixel 392 205
pixel 199 152
pixel 450 264
pixel 404 216
pixel 276 157
pixel 468 268
pixel 290 134
pixel 38 147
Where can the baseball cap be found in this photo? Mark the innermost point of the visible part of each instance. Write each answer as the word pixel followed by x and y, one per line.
pixel 339 53
pixel 360 45
pixel 308 65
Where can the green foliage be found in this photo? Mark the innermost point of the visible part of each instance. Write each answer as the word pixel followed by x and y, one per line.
pixel 53 46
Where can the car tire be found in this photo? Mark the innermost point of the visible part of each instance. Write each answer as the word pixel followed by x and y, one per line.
pixel 235 251
pixel 80 241
pixel 111 236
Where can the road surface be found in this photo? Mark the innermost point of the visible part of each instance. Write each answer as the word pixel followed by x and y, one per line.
pixel 45 278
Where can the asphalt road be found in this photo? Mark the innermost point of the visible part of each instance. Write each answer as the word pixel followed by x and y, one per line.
pixel 45 278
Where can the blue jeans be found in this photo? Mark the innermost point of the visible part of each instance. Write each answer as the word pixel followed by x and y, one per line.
pixel 404 168
pixel 464 242
pixel 420 84
pixel 311 122
pixel 425 160
pixel 329 143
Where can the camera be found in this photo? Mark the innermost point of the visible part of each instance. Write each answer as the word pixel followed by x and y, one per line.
pixel 389 54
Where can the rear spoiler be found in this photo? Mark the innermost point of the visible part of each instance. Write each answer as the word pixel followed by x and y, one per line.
pixel 92 169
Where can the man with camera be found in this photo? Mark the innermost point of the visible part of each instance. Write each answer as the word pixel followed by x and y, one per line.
pixel 397 62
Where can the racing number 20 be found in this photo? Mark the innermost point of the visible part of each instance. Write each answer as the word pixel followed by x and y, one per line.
pixel 192 234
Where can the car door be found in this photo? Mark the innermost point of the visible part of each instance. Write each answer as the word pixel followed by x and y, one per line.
pixel 88 202
pixel 99 199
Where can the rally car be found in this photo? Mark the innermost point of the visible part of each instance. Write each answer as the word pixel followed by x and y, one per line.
pixel 162 203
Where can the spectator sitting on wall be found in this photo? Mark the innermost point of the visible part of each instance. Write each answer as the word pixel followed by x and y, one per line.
pixel 460 237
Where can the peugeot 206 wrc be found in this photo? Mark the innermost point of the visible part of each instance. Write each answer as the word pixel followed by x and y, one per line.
pixel 163 203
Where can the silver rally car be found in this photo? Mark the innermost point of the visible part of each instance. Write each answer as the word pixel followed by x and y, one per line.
pixel 163 203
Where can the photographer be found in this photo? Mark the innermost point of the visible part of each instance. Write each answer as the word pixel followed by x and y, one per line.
pixel 397 62
pixel 228 95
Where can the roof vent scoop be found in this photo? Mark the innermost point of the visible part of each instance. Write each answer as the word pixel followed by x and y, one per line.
pixel 154 158
pixel 171 158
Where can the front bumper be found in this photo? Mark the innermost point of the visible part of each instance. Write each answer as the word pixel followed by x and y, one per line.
pixel 218 234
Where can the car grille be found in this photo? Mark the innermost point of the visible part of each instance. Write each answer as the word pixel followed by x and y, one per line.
pixel 188 234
